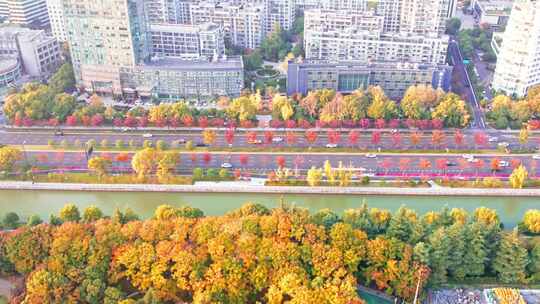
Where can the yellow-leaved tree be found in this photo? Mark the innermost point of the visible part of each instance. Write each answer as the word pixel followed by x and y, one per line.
pixel 518 177
pixel 143 162
pixel 531 220
pixel 314 176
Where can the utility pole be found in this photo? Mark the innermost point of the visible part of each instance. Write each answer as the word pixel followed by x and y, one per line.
pixel 417 289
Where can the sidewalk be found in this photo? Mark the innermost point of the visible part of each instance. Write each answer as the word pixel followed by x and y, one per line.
pixel 246 188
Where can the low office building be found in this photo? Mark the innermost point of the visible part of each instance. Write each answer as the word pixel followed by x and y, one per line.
pixel 10 72
pixel 494 13
pixel 187 41
pixel 40 54
pixel 346 77
pixel 168 79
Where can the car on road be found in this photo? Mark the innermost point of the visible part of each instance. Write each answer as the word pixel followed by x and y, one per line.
pixel 451 164
pixel 503 164
pixel 536 156
pixel 472 160
pixel 371 155
pixel 59 133
pixel 226 165
pixel 201 145
pixel 255 142
pixel 504 144
pixel 331 146
pixel 467 156
pixel 147 135
pixel 125 129
pixel 493 139
pixel 394 131
pixel 277 139
pixel 182 141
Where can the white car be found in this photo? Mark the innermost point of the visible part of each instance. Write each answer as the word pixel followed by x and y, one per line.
pixel 536 156
pixel 226 165
pixel 503 163
pixel 467 156
pixel 371 155
pixel 277 139
pixel 147 135
pixel 493 139
pixel 504 144
pixel 331 145
pixel 472 160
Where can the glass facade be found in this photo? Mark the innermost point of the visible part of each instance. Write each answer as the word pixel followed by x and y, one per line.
pixel 353 81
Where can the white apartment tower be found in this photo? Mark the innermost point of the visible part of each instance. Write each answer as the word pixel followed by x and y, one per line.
pixel 25 12
pixel 518 63
pixel 55 9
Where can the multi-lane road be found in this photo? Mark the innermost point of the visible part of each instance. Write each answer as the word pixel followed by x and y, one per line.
pixel 365 140
pixel 260 163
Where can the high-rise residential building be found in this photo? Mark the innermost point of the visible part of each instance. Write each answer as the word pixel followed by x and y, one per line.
pixel 57 21
pixel 167 11
pixel 25 12
pixel 351 5
pixel 280 12
pixel 244 26
pixel 395 45
pixel 203 41
pixel 111 46
pixel 340 35
pixel 415 16
pixel 518 61
pixel 39 54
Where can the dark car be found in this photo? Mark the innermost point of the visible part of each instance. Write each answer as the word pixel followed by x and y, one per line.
pixel 451 164
pixel 201 145
pixel 59 133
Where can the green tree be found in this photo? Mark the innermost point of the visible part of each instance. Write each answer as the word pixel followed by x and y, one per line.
pixel 452 26
pixel 34 220
pixel 402 225
pixel 475 256
pixel 325 217
pixel 534 265
pixel 64 105
pixel 421 253
pixel 440 247
pixel 253 61
pixel 457 268
pixel 511 259
pixel 10 220
pixel 198 173
pixel 70 213
pixel 63 80
pixel 274 47
pixel 166 165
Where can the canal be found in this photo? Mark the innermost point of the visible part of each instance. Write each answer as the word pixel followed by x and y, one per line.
pixel 43 203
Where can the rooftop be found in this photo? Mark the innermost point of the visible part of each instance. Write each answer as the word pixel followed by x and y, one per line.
pixel 224 63
pixel 7 64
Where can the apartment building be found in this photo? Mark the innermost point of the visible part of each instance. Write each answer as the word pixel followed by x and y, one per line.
pixel 40 55
pixel 187 41
pixel 117 58
pixel 243 26
pixel 494 13
pixel 339 35
pixel 32 13
pixel 55 9
pixel 518 60
pixel 351 5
